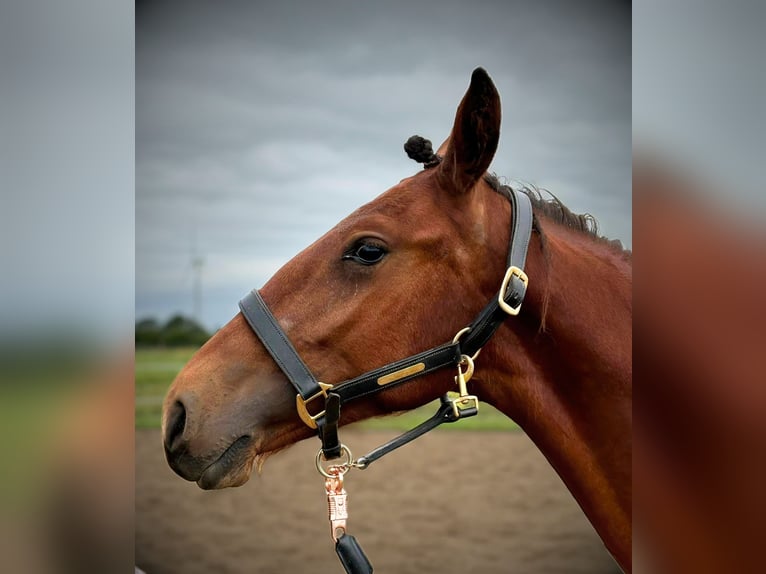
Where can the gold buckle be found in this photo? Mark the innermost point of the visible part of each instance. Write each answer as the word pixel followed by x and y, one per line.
pixel 303 412
pixel 511 272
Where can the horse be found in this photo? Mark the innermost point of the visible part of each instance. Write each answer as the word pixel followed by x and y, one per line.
pixel 406 272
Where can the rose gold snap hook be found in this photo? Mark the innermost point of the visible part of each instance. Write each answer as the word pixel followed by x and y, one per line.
pixel 337 505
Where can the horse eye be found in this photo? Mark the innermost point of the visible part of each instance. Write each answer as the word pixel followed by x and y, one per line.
pixel 366 253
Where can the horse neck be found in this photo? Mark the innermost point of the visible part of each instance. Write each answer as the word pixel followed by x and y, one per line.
pixel 567 383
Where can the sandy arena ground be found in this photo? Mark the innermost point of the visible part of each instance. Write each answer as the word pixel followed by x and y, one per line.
pixel 449 502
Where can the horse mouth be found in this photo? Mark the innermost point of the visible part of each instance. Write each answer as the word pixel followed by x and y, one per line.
pixel 232 468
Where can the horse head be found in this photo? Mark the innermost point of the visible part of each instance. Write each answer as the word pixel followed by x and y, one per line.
pixel 400 274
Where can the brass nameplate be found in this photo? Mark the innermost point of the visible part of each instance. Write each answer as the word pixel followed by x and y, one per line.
pixel 401 373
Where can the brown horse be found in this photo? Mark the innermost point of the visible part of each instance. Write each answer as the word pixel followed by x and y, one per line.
pixel 405 273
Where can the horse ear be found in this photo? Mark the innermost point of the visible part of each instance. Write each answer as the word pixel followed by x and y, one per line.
pixel 473 141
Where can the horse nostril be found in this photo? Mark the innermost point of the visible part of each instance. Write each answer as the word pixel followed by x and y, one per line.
pixel 176 424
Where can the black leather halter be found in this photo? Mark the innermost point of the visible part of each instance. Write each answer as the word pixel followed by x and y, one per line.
pixel 467 343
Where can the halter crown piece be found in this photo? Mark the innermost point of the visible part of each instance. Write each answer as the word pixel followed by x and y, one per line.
pixel 319 404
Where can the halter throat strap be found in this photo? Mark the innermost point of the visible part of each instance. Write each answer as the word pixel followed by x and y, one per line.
pixel 319 404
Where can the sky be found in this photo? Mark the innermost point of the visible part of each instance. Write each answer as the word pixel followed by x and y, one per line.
pixel 259 125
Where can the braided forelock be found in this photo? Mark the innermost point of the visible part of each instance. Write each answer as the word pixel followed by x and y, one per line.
pixel 421 150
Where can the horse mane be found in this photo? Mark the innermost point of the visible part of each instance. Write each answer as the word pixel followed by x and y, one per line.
pixel 552 208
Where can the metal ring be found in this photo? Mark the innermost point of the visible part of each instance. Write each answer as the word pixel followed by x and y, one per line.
pixel 460 333
pixel 347 464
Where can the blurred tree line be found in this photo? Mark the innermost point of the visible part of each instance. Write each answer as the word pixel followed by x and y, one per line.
pixel 179 331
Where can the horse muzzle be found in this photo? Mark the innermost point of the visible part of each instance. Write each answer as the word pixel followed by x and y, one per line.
pixel 210 468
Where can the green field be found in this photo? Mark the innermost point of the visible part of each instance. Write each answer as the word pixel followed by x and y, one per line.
pixel 157 367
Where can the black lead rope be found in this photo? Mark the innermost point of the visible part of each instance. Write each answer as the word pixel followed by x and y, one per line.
pixel 352 556
pixel 319 404
pixel 445 414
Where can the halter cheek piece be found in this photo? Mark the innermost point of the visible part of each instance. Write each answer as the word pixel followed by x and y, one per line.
pixel 319 404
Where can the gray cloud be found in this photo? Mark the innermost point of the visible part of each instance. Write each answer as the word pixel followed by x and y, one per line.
pixel 260 125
